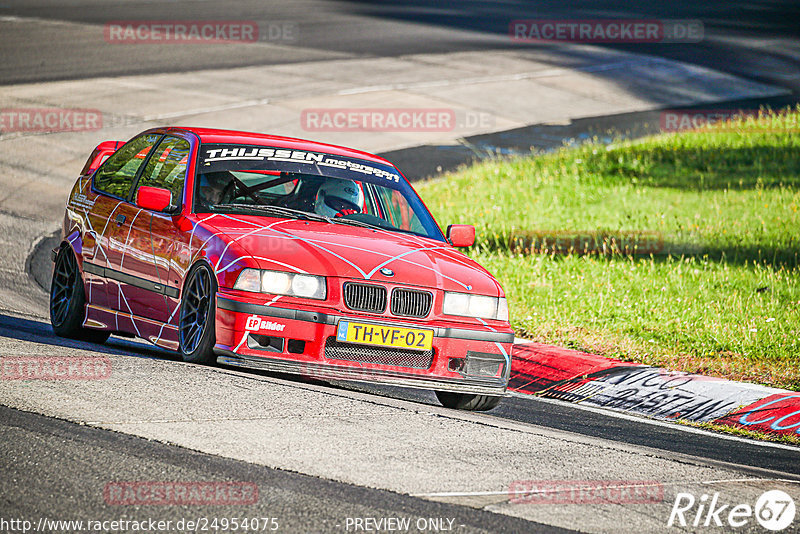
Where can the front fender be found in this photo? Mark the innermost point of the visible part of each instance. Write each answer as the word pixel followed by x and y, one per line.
pixel 226 256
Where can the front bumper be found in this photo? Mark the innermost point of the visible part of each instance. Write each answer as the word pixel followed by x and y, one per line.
pixel 303 341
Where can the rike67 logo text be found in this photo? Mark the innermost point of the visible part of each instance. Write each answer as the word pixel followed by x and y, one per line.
pixel 774 510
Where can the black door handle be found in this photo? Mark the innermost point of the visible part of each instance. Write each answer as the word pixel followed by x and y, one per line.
pixel 120 219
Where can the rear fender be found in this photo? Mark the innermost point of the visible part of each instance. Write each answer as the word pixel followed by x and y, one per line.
pixel 74 242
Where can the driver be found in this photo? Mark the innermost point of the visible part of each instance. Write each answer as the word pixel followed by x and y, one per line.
pixel 337 198
pixel 212 186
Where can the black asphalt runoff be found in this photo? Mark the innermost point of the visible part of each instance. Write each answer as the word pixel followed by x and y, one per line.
pixel 58 470
pixel 741 453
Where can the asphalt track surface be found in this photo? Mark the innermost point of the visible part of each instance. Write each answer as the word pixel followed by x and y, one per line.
pixel 47 461
pixel 52 466
pixel 753 39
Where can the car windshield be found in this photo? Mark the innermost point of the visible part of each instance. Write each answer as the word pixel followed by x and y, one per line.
pixel 280 182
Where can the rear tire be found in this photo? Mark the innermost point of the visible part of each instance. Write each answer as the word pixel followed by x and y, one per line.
pixel 68 300
pixel 196 327
pixel 466 401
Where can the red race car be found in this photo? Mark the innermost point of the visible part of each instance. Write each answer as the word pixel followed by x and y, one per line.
pixel 278 254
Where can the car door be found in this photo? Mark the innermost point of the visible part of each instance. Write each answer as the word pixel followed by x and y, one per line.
pixel 154 237
pixel 111 188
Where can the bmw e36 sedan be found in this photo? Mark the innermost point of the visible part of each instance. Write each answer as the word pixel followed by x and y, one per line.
pixel 279 254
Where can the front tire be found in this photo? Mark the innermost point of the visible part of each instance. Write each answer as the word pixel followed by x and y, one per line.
pixel 68 300
pixel 466 401
pixel 197 320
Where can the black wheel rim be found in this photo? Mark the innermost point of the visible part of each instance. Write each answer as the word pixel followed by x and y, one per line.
pixel 195 310
pixel 65 280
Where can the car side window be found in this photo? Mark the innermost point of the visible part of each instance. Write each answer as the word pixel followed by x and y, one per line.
pixel 116 175
pixel 166 168
pixel 398 212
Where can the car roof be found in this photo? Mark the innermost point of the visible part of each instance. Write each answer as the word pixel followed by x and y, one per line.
pixel 212 135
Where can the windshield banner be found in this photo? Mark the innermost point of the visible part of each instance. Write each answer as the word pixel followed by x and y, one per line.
pixel 245 157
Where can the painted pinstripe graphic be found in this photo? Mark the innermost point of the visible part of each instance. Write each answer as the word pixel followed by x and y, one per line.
pixel 455 257
pixel 313 244
pixel 318 244
pixel 245 221
pixel 236 240
pixel 204 244
pixel 244 338
pixel 131 280
pixel 128 238
pixel 274 234
pixel 99 244
pixel 103 232
pixel 499 346
pixel 276 262
pixel 273 301
pixel 133 321
pixel 195 224
pixel 121 297
pixel 121 294
pixel 155 258
pixel 292 236
pixel 126 315
pixel 168 323
pixel 400 257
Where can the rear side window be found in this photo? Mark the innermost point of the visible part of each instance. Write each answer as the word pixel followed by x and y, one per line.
pixel 115 176
pixel 166 168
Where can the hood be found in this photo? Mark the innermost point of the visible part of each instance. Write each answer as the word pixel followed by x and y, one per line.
pixel 339 250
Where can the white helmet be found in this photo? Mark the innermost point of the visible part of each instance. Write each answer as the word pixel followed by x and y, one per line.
pixel 335 196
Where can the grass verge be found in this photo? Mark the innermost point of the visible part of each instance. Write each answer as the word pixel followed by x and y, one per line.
pixel 680 250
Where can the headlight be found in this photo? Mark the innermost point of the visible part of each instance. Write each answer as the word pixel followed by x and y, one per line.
pixel 281 283
pixel 482 306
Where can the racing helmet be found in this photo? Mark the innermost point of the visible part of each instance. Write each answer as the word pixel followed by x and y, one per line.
pixel 336 196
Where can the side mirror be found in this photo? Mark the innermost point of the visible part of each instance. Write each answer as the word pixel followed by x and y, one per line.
pixel 461 235
pixel 99 155
pixel 153 198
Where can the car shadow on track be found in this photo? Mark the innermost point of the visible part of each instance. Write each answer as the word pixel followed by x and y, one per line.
pixel 36 331
pixel 378 390
pixel 41 332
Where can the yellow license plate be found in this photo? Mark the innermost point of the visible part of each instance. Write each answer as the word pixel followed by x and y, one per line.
pixel 384 336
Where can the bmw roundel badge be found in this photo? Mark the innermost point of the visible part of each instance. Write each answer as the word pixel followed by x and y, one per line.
pixel 385 271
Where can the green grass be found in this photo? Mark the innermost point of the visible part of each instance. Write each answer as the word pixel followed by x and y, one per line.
pixel 721 293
